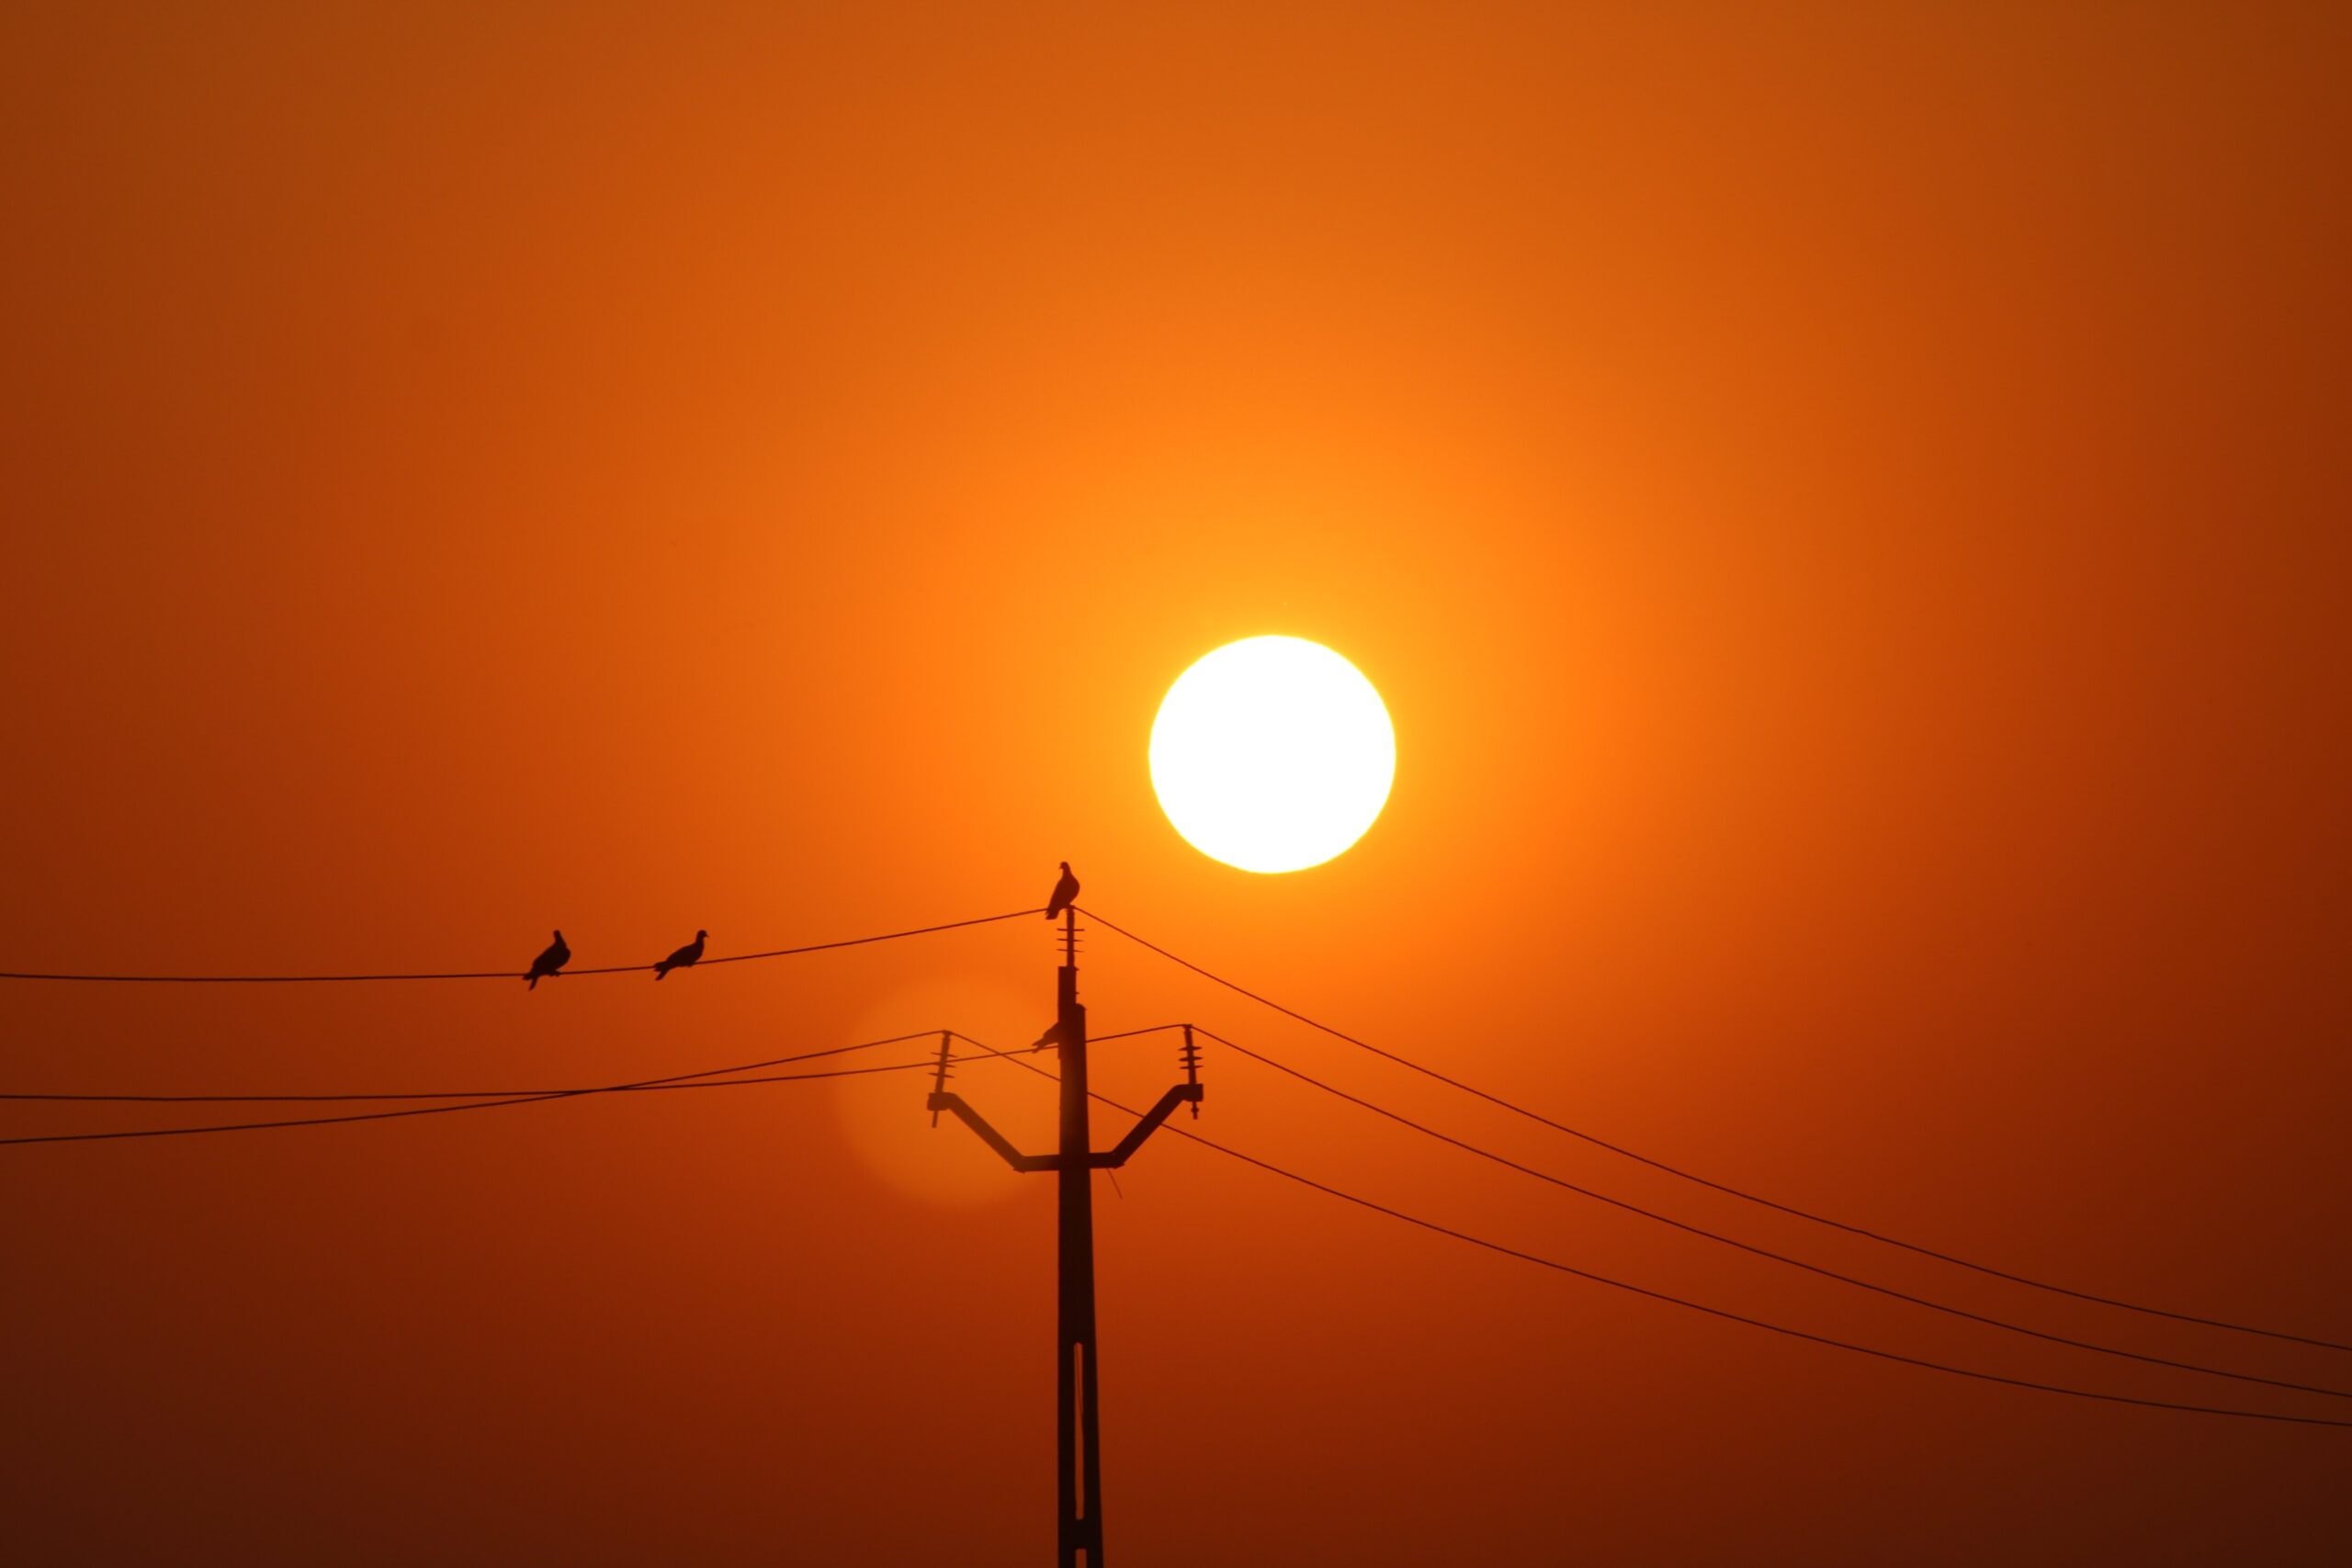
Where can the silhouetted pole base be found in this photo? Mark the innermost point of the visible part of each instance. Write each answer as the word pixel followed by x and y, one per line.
pixel 1079 1450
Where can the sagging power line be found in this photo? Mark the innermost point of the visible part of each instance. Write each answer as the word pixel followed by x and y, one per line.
pixel 452 1093
pixel 1985 1318
pixel 708 1078
pixel 558 969
pixel 1725 1188
pixel 1468 1238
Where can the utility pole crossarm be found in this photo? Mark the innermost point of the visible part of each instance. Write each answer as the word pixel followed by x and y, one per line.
pixel 953 1103
pixel 1181 1094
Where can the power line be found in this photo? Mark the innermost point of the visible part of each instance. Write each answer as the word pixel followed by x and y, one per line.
pixel 477 1105
pixel 500 974
pixel 1729 1316
pixel 1131 1033
pixel 1758 1251
pixel 1725 1188
pixel 55 1098
pixel 461 1093
pixel 535 1098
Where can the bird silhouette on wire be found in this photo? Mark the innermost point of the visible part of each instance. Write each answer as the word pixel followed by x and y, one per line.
pixel 1065 893
pixel 685 957
pixel 551 962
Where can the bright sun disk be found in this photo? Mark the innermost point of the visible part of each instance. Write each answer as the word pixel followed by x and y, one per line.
pixel 1272 753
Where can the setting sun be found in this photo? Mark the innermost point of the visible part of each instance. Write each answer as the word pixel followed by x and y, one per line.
pixel 1273 754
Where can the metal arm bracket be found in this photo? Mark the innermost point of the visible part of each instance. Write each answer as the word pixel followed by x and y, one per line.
pixel 1183 1094
pixel 940 1100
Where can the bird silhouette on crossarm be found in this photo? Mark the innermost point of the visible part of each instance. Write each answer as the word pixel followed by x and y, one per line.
pixel 1065 893
pixel 685 957
pixel 551 962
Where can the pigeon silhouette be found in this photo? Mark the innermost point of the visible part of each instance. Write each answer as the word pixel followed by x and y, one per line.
pixel 1065 893
pixel 1053 1036
pixel 685 957
pixel 551 962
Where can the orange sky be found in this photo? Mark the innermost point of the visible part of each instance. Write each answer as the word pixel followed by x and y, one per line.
pixel 1846 511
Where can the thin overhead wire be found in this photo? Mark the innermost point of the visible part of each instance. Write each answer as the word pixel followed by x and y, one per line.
pixel 1131 1033
pixel 504 973
pixel 1722 1312
pixel 682 1080
pixel 1718 1237
pixel 461 1093
pixel 1725 1188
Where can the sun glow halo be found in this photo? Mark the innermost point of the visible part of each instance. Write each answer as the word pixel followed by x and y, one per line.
pixel 1273 754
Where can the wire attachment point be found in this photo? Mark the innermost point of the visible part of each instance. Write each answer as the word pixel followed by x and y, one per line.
pixel 1189 1055
pixel 939 1079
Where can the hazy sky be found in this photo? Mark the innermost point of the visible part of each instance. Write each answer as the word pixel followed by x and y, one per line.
pixel 1846 506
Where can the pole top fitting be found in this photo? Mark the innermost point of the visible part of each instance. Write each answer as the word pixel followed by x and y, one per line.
pixel 939 1077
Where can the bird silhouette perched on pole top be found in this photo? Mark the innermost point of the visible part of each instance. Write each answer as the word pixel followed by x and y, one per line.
pixel 1065 894
pixel 549 963
pixel 685 957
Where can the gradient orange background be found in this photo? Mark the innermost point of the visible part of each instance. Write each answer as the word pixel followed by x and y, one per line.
pixel 1846 505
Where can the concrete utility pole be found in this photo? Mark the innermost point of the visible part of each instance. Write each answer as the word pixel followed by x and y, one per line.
pixel 1077 1375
